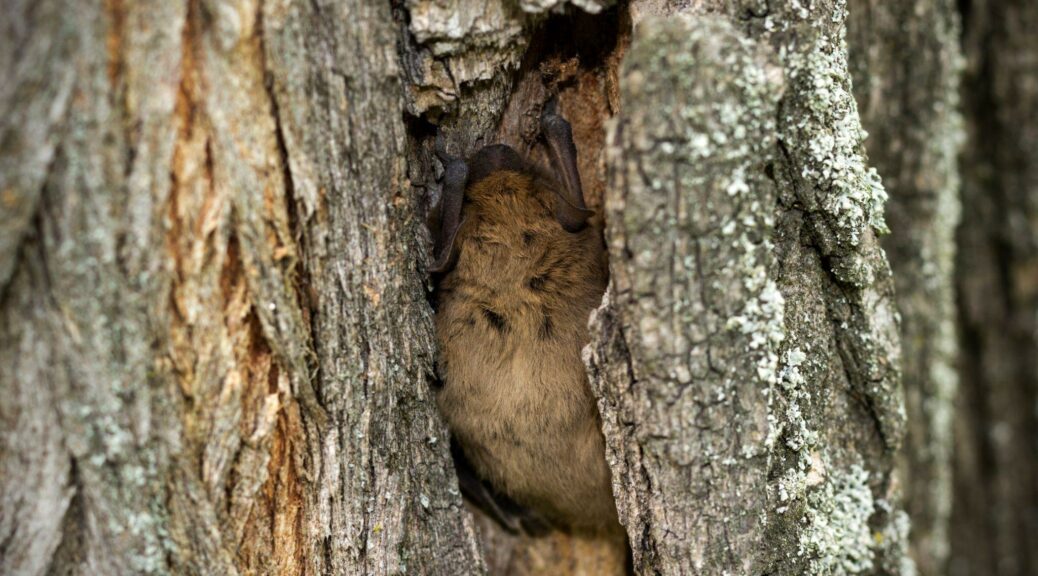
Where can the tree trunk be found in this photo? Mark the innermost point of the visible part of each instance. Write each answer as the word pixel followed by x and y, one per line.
pixel 215 340
pixel 215 344
pixel 906 63
pixel 748 357
pixel 995 517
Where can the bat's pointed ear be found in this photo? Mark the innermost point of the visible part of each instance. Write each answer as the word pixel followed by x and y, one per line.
pixel 456 174
pixel 570 210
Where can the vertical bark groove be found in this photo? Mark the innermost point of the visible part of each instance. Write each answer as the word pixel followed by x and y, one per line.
pixel 906 62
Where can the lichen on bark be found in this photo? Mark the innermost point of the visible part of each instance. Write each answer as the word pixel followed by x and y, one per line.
pixel 831 417
pixel 693 316
pixel 233 355
pixel 213 293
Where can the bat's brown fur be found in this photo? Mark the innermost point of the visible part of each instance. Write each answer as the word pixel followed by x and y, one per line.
pixel 511 321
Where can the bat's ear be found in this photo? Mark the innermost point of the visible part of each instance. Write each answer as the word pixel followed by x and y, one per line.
pixel 570 210
pixel 456 174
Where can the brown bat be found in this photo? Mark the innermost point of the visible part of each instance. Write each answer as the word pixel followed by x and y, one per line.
pixel 520 271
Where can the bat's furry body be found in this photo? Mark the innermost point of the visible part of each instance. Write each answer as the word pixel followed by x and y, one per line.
pixel 521 271
pixel 511 321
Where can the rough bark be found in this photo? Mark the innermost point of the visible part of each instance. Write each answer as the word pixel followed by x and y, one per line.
pixel 692 339
pixel 214 337
pixel 994 523
pixel 906 63
pixel 215 341
pixel 747 358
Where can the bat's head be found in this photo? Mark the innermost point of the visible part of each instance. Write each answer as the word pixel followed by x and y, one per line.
pixel 506 201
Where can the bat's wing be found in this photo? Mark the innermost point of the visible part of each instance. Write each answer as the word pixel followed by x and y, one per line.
pixel 511 516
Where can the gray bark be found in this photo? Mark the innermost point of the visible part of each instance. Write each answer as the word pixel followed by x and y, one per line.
pixel 994 523
pixel 747 360
pixel 690 334
pixel 906 60
pixel 215 341
pixel 214 338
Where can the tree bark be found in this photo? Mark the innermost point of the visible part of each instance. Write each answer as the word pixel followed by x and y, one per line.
pixel 215 344
pixel 690 331
pixel 748 357
pixel 906 61
pixel 994 525
pixel 215 341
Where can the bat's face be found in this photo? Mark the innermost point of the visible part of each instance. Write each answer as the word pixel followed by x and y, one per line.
pixel 510 208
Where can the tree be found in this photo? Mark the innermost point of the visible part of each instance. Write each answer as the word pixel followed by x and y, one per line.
pixel 906 63
pixel 215 325
pixel 996 475
pixel 215 342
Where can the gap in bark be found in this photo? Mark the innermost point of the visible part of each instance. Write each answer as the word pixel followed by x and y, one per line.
pixel 965 8
pixel 575 56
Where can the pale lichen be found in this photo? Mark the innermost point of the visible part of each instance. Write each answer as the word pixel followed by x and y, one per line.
pixel 821 130
pixel 839 311
pixel 836 538
pixel 690 218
